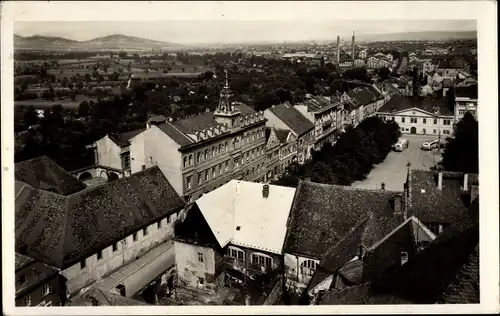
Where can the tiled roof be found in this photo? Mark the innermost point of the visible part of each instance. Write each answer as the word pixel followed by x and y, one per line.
pixel 174 133
pixel 364 96
pixel 317 103
pixel 35 272
pixel 323 214
pixel 297 122
pixel 357 295
pixel 465 288
pixel 43 173
pixel 445 269
pixel 466 92
pixel 282 134
pixel 61 230
pixel 122 139
pixel 452 63
pixel 22 261
pixel 430 204
pixel 178 130
pixel 400 103
pixel 97 297
pixel 367 233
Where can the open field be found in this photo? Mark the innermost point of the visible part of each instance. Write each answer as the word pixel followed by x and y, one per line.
pixel 67 103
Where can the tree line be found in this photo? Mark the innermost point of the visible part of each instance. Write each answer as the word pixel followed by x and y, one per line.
pixel 350 159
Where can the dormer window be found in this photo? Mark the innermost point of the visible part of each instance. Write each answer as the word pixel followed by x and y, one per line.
pixel 404 257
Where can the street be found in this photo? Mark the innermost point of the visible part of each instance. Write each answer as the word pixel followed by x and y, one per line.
pixel 392 171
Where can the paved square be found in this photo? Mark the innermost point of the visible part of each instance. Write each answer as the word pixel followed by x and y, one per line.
pixel 392 170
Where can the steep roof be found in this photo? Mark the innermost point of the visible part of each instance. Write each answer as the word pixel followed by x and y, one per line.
pixel 292 117
pixel 61 230
pixel 179 130
pixel 43 173
pixel 429 104
pixel 431 204
pixel 35 273
pixel 447 271
pixel 317 103
pixel 237 213
pixel 282 134
pixel 445 268
pixel 466 91
pixel 123 139
pixel 323 214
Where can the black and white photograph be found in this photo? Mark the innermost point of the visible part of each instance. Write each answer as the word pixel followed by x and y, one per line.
pixel 224 157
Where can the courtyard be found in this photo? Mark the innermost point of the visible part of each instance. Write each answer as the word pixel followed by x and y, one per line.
pixel 392 171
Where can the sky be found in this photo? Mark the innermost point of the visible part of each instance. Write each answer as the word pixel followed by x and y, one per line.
pixel 196 31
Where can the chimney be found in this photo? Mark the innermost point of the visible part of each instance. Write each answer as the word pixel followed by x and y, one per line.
pixel 352 45
pixel 265 191
pixel 440 180
pixel 397 204
pixel 474 192
pixel 338 49
pixel 382 186
pixel 466 180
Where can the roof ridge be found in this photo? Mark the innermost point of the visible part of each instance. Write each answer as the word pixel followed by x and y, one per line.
pixel 351 188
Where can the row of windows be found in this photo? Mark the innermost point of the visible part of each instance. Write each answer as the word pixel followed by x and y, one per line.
pixel 46 290
pixel 424 131
pixel 415 120
pixel 258 259
pixel 222 148
pixel 135 238
pixel 462 112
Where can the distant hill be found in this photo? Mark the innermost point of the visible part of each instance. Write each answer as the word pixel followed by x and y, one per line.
pixel 416 36
pixel 110 42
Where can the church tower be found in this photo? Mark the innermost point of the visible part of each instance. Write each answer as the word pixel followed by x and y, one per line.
pixel 226 112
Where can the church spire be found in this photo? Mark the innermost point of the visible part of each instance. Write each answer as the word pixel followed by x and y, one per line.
pixel 225 105
pixel 226 112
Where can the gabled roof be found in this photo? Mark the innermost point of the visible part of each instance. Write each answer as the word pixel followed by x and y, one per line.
pixel 292 118
pixel 466 91
pixel 447 271
pixel 179 130
pixel 317 103
pixel 428 104
pixel 35 273
pixel 322 215
pixel 62 230
pixel 237 213
pixel 447 266
pixel 123 139
pixel 431 204
pixel 282 134
pixel 43 173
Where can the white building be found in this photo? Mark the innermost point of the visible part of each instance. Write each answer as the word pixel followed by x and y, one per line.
pixel 465 101
pixel 419 115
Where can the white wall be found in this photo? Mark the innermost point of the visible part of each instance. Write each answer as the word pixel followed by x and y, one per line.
pixel 94 269
pixel 108 153
pixel 429 126
pixel 189 268
pixel 273 120
pixel 161 150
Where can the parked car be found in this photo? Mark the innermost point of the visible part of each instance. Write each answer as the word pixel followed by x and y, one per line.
pixel 401 144
pixel 430 145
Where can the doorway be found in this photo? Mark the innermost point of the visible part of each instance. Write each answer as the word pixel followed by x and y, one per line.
pixel 413 130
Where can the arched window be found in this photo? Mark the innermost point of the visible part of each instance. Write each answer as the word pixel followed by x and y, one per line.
pixel 308 267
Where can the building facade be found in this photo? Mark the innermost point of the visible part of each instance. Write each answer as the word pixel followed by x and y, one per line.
pixel 465 101
pixel 201 153
pixel 286 116
pixel 419 115
pixel 38 284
